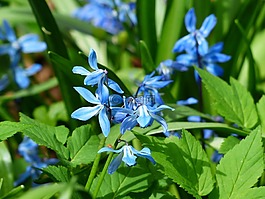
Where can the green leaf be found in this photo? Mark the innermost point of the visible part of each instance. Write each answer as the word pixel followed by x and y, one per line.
pixel 241 167
pixel 261 110
pixel 55 43
pixel 45 135
pixel 171 30
pixel 60 173
pixel 6 169
pixel 254 193
pixel 147 25
pixel 176 126
pixel 7 129
pixel 82 145
pixel 14 193
pixel 233 102
pixel 183 160
pixel 125 180
pixel 228 144
pixel 146 59
pixel 44 191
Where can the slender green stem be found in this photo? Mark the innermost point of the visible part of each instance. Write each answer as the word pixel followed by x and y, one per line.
pixel 105 168
pixel 94 168
pixel 102 175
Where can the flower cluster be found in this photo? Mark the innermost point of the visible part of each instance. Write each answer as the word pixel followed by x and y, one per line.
pixel 108 15
pixel 28 149
pixel 14 47
pixel 195 45
pixel 141 109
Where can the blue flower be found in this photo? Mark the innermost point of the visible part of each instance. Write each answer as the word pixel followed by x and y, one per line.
pixel 167 67
pixel 144 115
pixel 28 149
pixel 150 86
pixel 103 14
pixel 98 76
pixel 128 155
pixel 27 44
pixel 101 108
pixel 196 37
pixel 207 59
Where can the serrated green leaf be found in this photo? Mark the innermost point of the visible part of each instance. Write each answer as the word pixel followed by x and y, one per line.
pixel 60 173
pixel 233 102
pixel 228 144
pixel 241 167
pixel 254 193
pixel 146 59
pixel 261 110
pixel 176 126
pixel 82 145
pixel 125 180
pixel 6 169
pixel 183 160
pixel 7 129
pixel 45 135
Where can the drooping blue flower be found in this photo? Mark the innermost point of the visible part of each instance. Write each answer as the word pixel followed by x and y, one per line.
pixel 207 59
pixel 196 38
pixel 98 76
pixel 26 44
pixel 108 15
pixel 128 155
pixel 150 85
pixel 166 68
pixel 28 149
pixel 101 108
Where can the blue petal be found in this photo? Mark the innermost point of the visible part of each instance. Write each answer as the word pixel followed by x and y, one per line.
pixel 85 113
pixel 87 95
pixel 160 108
pixel 108 149
pixel 115 100
pixel 115 164
pixel 215 69
pixel 104 122
pixel 194 118
pixel 207 25
pixel 217 57
pixel 103 93
pixel 21 78
pixel 128 156
pixel 189 101
pixel 181 44
pixel 33 69
pixel 5 49
pixel 10 34
pixel 128 123
pixel 145 153
pixel 144 118
pixel 186 60
pixel 160 120
pixel 190 20
pixel 80 70
pixel 24 176
pixel 94 77
pixel 216 48
pixel 4 82
pixel 92 59
pixel 114 86
pixel 34 47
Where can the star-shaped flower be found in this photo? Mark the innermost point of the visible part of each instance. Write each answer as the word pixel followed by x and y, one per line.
pixel 101 108
pixel 98 76
pixel 128 155
pixel 196 36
